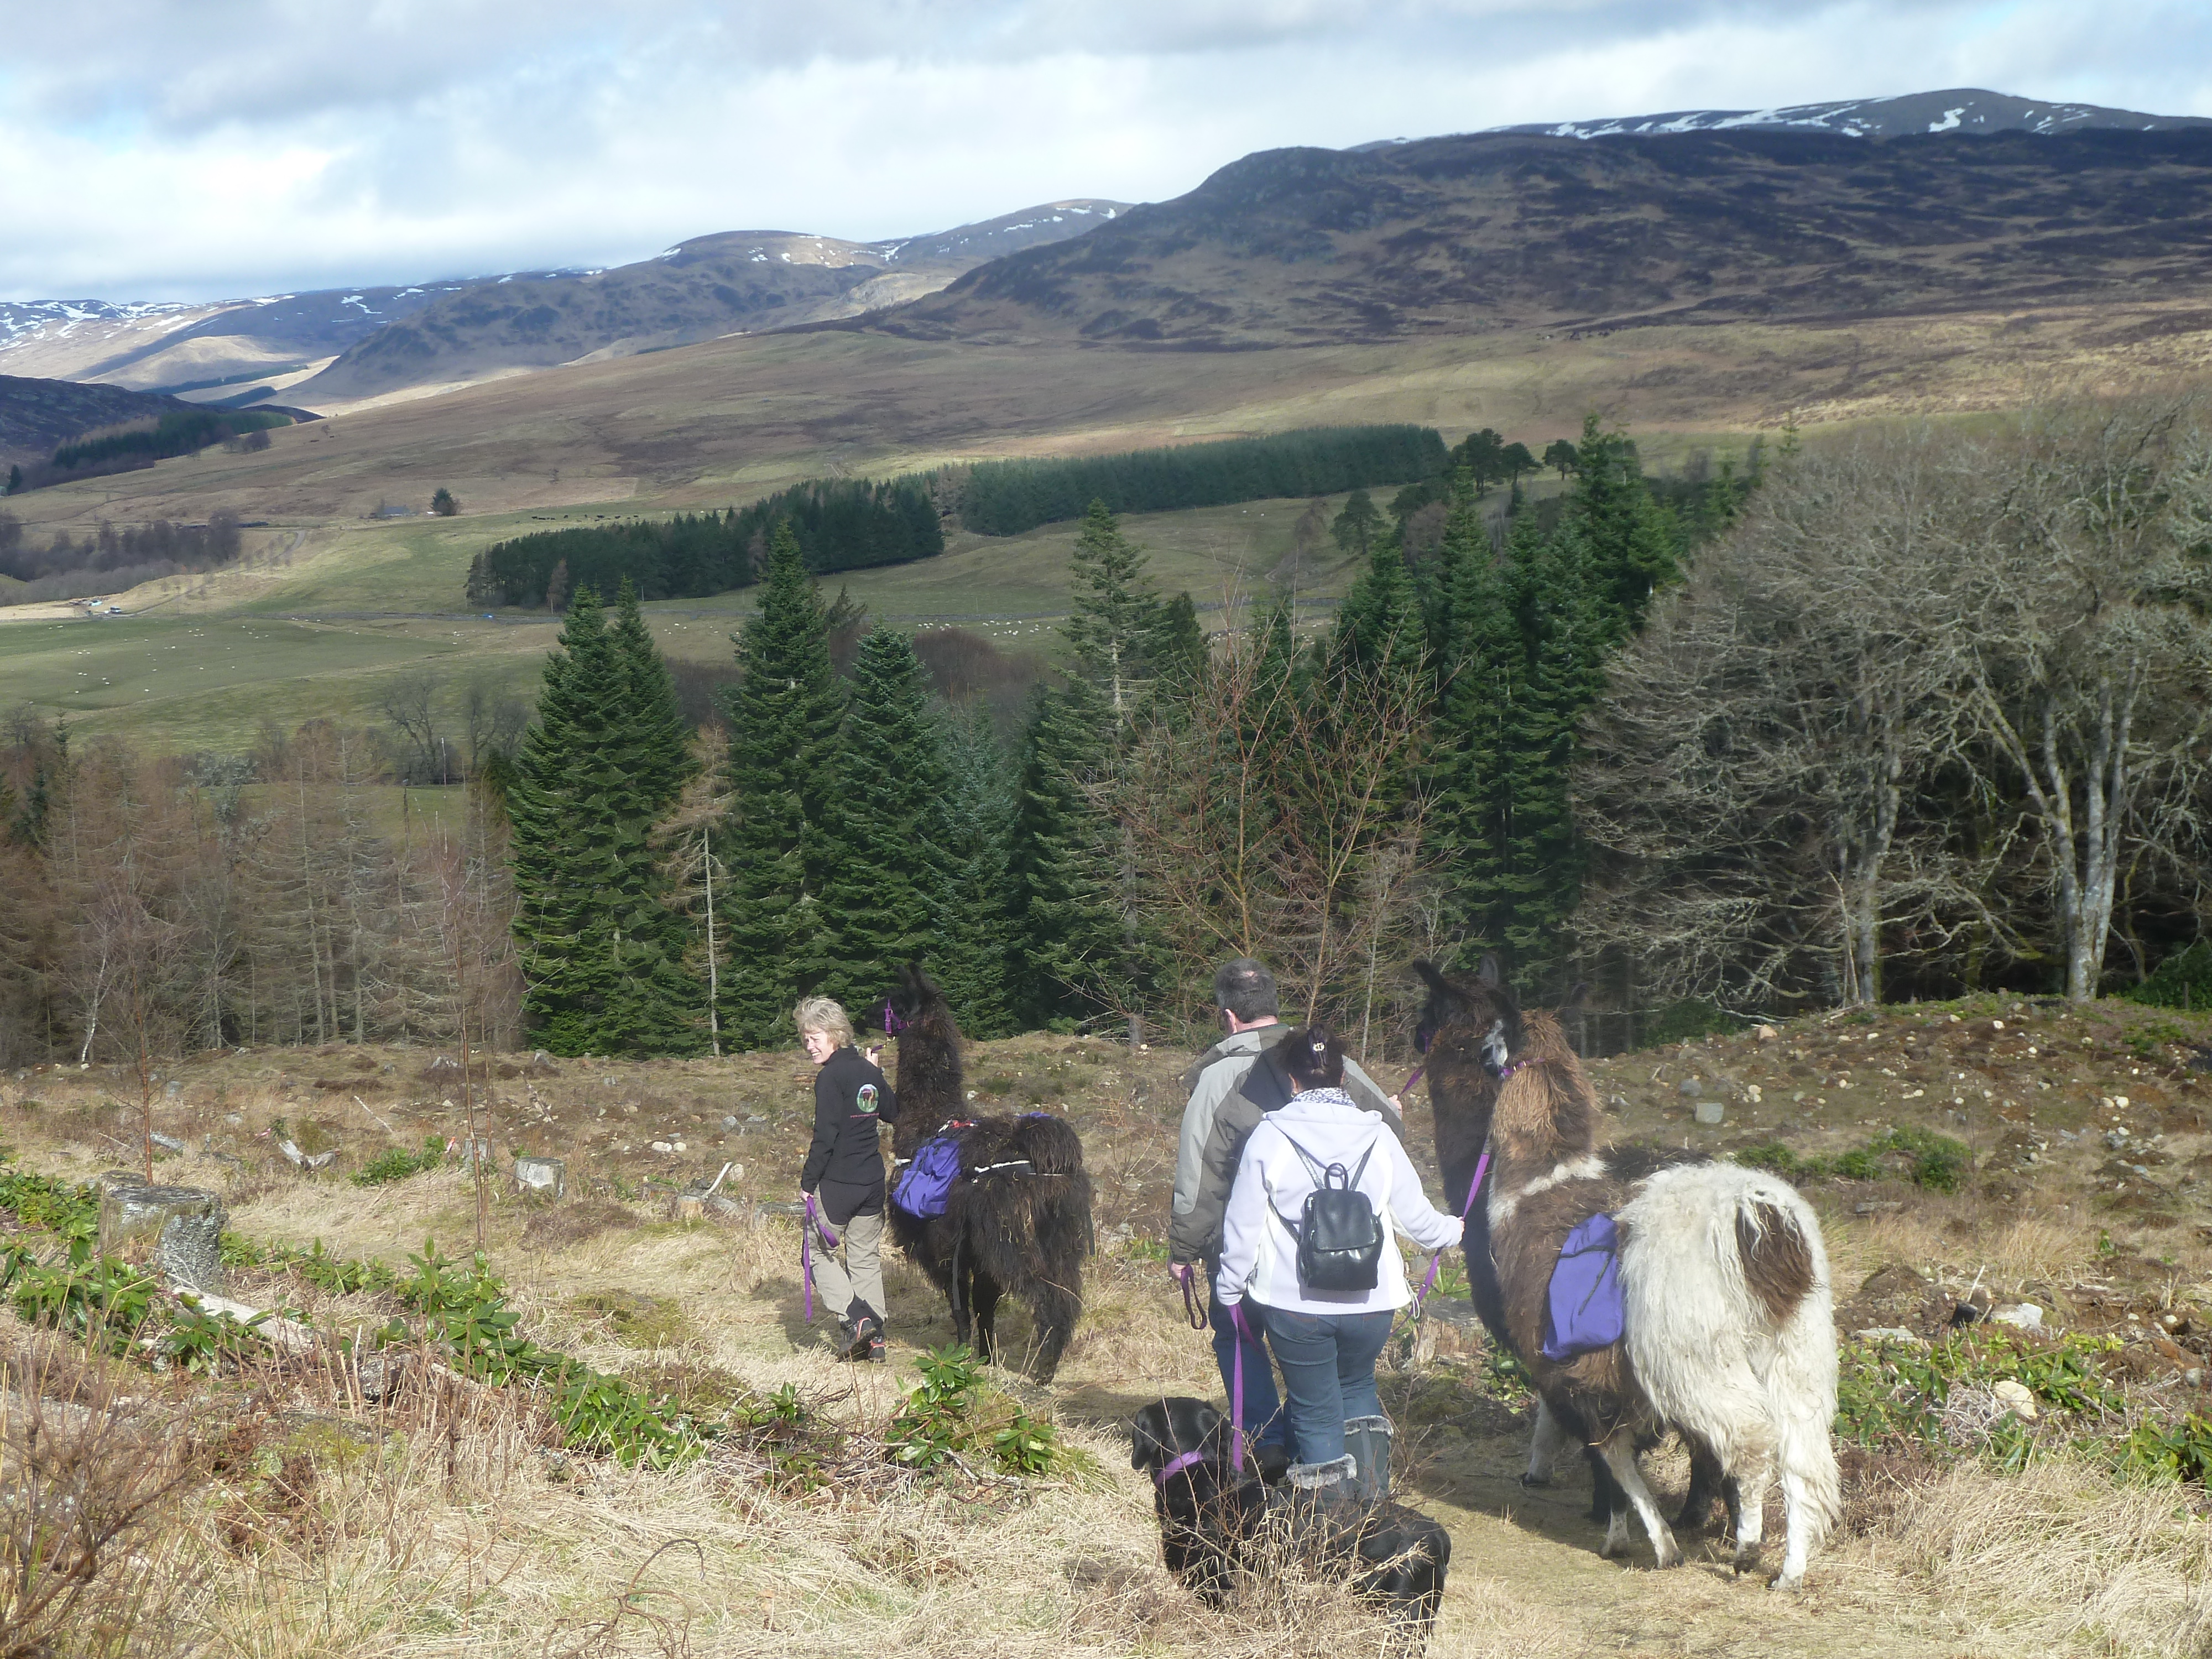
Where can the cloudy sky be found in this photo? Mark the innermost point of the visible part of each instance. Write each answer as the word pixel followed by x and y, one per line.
pixel 158 148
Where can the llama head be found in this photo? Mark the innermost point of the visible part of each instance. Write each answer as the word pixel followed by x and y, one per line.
pixel 1474 1020
pixel 917 996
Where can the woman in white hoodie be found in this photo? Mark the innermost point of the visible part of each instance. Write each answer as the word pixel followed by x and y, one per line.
pixel 1325 1341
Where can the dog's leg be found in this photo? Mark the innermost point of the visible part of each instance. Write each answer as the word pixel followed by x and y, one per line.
pixel 1544 1445
pixel 1620 1450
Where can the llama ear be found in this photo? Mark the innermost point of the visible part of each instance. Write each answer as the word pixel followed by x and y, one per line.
pixel 1432 977
pixel 1489 973
pixel 1576 997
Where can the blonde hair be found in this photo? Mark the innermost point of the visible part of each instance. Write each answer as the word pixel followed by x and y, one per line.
pixel 826 1015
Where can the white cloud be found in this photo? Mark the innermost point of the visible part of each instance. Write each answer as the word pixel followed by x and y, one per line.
pixel 248 145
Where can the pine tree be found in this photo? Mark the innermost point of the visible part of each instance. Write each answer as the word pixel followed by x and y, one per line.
pixel 784 718
pixel 662 761
pixel 601 953
pixel 566 849
pixel 1628 543
pixel 1357 525
pixel 1380 621
pixel 1115 623
pixel 883 868
pixel 1078 908
pixel 977 940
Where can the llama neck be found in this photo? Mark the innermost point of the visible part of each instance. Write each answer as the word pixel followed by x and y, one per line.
pixel 1546 1118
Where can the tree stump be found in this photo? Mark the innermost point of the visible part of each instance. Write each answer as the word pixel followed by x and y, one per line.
pixel 186 1224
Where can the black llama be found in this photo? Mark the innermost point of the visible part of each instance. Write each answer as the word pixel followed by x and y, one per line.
pixel 1017 1219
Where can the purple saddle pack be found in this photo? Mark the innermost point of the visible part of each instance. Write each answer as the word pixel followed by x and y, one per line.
pixel 1585 1311
pixel 926 1187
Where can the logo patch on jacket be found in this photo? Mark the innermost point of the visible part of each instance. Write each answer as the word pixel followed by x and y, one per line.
pixel 865 1100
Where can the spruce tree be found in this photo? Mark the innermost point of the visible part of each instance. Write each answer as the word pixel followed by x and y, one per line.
pixel 1076 919
pixel 1627 543
pixel 1116 622
pixel 1380 623
pixel 977 941
pixel 784 718
pixel 1471 813
pixel 883 868
pixel 662 761
pixel 656 1006
pixel 1074 883
pixel 567 808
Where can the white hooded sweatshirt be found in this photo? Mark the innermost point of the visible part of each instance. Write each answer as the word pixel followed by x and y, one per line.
pixel 1260 1253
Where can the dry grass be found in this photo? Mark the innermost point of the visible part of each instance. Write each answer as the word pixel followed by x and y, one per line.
pixel 2059 1555
pixel 93 1485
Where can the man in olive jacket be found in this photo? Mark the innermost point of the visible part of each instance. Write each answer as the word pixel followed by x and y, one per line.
pixel 1230 1085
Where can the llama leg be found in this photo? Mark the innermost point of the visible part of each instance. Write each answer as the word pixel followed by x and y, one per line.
pixel 1544 1445
pixel 1707 1481
pixel 1619 1451
pixel 1801 1523
pixel 986 1293
pixel 1749 1512
pixel 1609 1504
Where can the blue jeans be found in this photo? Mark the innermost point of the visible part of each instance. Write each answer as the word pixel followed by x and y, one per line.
pixel 1328 1372
pixel 1264 1420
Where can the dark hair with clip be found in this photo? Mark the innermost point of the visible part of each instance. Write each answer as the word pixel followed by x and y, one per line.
pixel 1313 1056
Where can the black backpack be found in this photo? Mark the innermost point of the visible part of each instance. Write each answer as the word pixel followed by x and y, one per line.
pixel 1341 1245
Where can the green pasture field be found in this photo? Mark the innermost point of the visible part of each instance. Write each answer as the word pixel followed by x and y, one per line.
pixel 317 623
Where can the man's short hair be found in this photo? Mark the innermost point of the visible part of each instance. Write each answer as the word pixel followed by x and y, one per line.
pixel 1246 989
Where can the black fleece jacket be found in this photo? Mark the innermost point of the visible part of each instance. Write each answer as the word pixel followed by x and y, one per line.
pixel 850 1098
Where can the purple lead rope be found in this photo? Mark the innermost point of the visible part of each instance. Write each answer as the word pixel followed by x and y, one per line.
pixel 1428 1282
pixel 1243 1333
pixel 807 1230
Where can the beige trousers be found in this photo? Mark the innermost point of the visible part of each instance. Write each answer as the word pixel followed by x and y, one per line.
pixel 860 1275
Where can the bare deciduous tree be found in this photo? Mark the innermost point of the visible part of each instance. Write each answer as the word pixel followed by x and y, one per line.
pixel 1279 817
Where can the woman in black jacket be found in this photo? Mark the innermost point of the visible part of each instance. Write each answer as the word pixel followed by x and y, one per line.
pixel 844 1175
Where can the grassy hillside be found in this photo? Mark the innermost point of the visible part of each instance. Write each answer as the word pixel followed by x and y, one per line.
pixel 448 1521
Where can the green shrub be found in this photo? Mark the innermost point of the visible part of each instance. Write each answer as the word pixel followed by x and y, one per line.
pixel 1935 1162
pixel 2184 980
pixel 951 1412
pixel 396 1164
pixel 1683 1021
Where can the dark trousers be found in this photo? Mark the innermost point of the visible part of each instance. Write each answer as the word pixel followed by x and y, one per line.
pixel 1264 1420
pixel 1328 1372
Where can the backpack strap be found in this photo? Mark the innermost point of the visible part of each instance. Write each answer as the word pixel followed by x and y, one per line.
pixel 1321 1176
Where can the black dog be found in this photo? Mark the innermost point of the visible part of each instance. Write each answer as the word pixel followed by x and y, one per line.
pixel 1210 1513
pixel 1207 1509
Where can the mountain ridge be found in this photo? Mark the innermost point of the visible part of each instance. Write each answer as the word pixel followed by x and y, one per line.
pixel 1491 231
pixel 725 283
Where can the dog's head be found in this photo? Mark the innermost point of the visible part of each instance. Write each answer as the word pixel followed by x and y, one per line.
pixel 1173 1428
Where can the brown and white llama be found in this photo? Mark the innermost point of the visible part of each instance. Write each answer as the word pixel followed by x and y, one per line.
pixel 1729 1334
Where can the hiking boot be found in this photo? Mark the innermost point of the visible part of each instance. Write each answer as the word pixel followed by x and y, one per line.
pixel 866 1341
pixel 1367 1439
pixel 875 1355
